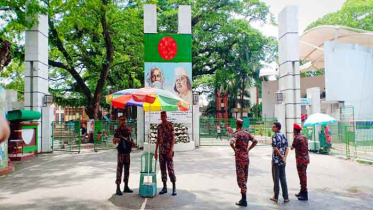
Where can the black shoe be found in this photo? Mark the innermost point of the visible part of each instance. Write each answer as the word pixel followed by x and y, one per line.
pixel 118 191
pixel 127 190
pixel 174 193
pixel 298 194
pixel 241 203
pixel 303 196
pixel 174 189
pixel 163 191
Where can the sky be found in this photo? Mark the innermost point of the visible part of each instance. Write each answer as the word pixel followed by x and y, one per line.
pixel 309 11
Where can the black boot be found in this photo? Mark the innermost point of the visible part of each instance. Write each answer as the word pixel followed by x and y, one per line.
pixel 118 190
pixel 174 189
pixel 127 189
pixel 303 196
pixel 243 201
pixel 164 190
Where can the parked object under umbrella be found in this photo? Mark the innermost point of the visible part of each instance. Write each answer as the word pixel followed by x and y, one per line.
pixel 318 119
pixel 151 99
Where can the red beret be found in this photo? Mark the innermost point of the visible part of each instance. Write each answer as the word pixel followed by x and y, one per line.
pixel 297 127
pixel 239 122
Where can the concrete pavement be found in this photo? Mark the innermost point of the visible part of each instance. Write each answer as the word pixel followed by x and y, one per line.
pixel 205 180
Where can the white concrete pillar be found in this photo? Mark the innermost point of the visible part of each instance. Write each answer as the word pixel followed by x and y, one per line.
pixel 289 82
pixel 185 19
pixel 36 75
pixel 46 128
pixel 314 95
pixel 280 114
pixel 150 19
pixel 195 133
pixel 11 97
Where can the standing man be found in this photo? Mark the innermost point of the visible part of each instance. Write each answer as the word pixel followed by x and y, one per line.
pixel 239 144
pixel 166 142
pixel 280 152
pixel 300 144
pixel 123 137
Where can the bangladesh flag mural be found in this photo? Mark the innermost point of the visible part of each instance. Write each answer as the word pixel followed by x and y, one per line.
pixel 168 48
pixel 168 65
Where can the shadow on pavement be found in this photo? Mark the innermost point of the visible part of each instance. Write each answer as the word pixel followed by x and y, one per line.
pixel 166 201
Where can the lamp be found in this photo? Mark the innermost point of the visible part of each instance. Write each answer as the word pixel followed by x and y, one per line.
pixel 195 97
pixel 279 97
pixel 47 100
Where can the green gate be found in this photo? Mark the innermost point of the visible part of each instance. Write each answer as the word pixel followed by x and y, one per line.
pixel 66 136
pixel 209 135
pixel 104 133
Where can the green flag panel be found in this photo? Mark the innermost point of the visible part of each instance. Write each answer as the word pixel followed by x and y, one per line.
pixel 168 48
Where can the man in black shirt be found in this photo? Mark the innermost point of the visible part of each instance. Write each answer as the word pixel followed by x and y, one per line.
pixel 123 137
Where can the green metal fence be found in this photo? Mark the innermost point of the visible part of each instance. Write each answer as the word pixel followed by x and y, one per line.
pixel 66 137
pixel 104 133
pixel 210 136
pixel 355 141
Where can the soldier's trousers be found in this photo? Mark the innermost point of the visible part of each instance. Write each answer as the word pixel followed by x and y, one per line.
pixel 242 171
pixel 302 173
pixel 124 161
pixel 167 163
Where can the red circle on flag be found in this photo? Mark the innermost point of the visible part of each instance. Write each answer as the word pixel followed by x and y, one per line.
pixel 167 48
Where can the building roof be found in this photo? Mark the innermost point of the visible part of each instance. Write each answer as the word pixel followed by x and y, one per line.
pixel 311 43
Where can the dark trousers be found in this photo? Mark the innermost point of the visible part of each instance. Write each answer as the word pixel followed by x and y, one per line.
pixel 124 160
pixel 279 175
pixel 165 162
pixel 302 173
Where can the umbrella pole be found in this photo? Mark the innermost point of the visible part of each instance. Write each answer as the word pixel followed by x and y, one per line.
pixel 149 144
pixel 314 137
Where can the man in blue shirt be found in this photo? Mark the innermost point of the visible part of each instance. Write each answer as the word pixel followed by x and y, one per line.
pixel 280 152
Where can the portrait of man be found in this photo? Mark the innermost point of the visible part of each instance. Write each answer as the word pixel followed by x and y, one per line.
pixel 183 84
pixel 155 78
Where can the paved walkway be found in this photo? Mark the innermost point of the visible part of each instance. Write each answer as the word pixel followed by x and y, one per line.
pixel 206 180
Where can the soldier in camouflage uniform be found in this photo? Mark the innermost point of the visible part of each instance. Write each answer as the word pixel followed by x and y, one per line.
pixel 166 142
pixel 239 144
pixel 300 144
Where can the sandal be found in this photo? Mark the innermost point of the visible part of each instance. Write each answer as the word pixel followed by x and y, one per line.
pixel 273 199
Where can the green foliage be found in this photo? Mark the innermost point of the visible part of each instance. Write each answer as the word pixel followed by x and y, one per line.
pixel 97 45
pixel 256 110
pixel 354 13
pixel 313 73
pixel 13 79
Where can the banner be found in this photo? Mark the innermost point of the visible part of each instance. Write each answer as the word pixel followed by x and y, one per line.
pixel 168 66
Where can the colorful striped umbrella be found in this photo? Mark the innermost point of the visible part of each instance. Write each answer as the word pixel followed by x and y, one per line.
pixel 151 99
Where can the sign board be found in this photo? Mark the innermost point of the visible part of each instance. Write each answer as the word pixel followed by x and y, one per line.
pixel 305 101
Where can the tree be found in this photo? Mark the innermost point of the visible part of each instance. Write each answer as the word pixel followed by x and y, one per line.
pixel 354 13
pixel 93 44
pixel 97 45
pixel 212 23
pixel 12 74
pixel 5 53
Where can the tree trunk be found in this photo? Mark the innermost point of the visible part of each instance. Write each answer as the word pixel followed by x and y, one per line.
pixel 242 96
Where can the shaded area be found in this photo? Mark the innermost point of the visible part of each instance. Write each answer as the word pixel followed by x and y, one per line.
pixel 166 201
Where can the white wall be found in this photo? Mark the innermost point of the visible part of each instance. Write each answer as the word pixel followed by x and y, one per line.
pixel 270 88
pixel 349 76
